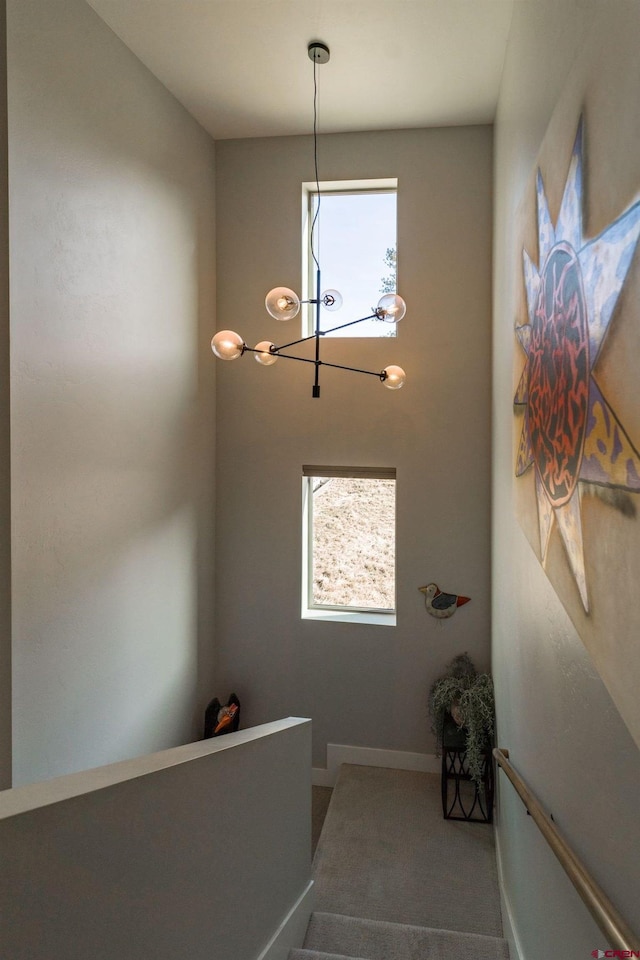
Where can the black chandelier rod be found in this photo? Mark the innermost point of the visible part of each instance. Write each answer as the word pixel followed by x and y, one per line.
pixel 349 324
pixel 381 375
pixel 322 333
pixel 316 384
pixel 294 343
pixel 319 363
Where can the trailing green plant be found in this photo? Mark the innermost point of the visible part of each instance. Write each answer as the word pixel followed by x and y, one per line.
pixel 446 691
pixel 468 696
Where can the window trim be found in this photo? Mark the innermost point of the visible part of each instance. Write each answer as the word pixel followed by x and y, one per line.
pixel 336 187
pixel 334 612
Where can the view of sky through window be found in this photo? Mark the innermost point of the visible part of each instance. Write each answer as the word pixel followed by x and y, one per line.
pixel 352 235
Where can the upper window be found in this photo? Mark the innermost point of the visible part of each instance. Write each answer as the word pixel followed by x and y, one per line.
pixel 355 242
pixel 349 525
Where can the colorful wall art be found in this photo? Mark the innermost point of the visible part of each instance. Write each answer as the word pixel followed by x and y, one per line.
pixel 575 453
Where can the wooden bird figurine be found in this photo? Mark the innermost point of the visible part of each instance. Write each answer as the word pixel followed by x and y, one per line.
pixel 441 604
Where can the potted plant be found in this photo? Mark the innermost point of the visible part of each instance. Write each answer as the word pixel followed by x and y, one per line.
pixel 467 697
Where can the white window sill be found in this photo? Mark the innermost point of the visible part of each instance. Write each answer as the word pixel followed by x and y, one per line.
pixel 346 616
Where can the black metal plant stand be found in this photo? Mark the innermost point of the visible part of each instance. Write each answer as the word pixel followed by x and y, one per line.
pixel 462 799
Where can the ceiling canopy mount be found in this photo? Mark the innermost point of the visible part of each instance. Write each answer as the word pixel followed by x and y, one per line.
pixel 318 52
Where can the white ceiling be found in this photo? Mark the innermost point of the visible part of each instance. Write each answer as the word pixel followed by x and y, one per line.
pixel 241 66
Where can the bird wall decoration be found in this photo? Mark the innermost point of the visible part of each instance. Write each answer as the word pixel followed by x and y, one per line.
pixel 440 604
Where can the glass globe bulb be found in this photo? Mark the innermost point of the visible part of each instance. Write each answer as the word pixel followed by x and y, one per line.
pixel 227 345
pixel 391 308
pixel 282 303
pixel 265 357
pixel 394 377
pixel 331 299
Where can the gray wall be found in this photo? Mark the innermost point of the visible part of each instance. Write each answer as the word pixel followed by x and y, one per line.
pixel 564 732
pixel 112 298
pixel 198 852
pixel 362 685
pixel 5 476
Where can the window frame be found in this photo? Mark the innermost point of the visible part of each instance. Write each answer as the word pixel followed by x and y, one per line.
pixel 336 188
pixel 335 612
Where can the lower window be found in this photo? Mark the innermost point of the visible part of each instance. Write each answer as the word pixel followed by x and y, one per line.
pixel 349 543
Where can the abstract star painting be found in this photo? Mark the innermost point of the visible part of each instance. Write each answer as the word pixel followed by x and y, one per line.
pixel 571 436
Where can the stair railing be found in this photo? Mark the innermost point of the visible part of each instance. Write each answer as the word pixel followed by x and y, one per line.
pixel 613 926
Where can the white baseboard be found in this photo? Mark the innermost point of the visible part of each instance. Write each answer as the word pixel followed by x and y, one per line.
pixel 508 927
pixel 339 753
pixel 291 932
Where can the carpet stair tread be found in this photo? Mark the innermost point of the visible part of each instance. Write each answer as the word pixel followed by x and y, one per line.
pixel 387 853
pixel 343 936
pixel 304 954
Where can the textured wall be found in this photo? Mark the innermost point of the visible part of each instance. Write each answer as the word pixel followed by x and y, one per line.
pixel 554 714
pixel 111 191
pixel 5 477
pixel 196 852
pixel 363 685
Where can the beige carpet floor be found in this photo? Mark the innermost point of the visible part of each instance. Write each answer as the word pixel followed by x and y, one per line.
pixel 347 938
pixel 386 853
pixel 320 798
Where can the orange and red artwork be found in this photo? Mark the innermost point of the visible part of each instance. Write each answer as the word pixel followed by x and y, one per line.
pixel 570 434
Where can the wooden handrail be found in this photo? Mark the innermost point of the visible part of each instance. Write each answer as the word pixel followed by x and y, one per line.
pixel 614 927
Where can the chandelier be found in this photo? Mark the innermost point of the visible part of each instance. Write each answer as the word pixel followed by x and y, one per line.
pixel 284 304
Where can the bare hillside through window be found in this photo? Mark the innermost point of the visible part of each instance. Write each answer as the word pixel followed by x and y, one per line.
pixel 354 542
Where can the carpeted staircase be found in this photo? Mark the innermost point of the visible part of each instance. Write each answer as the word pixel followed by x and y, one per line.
pixel 394 881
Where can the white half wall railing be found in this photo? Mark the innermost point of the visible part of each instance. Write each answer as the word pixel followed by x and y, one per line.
pixel 201 852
